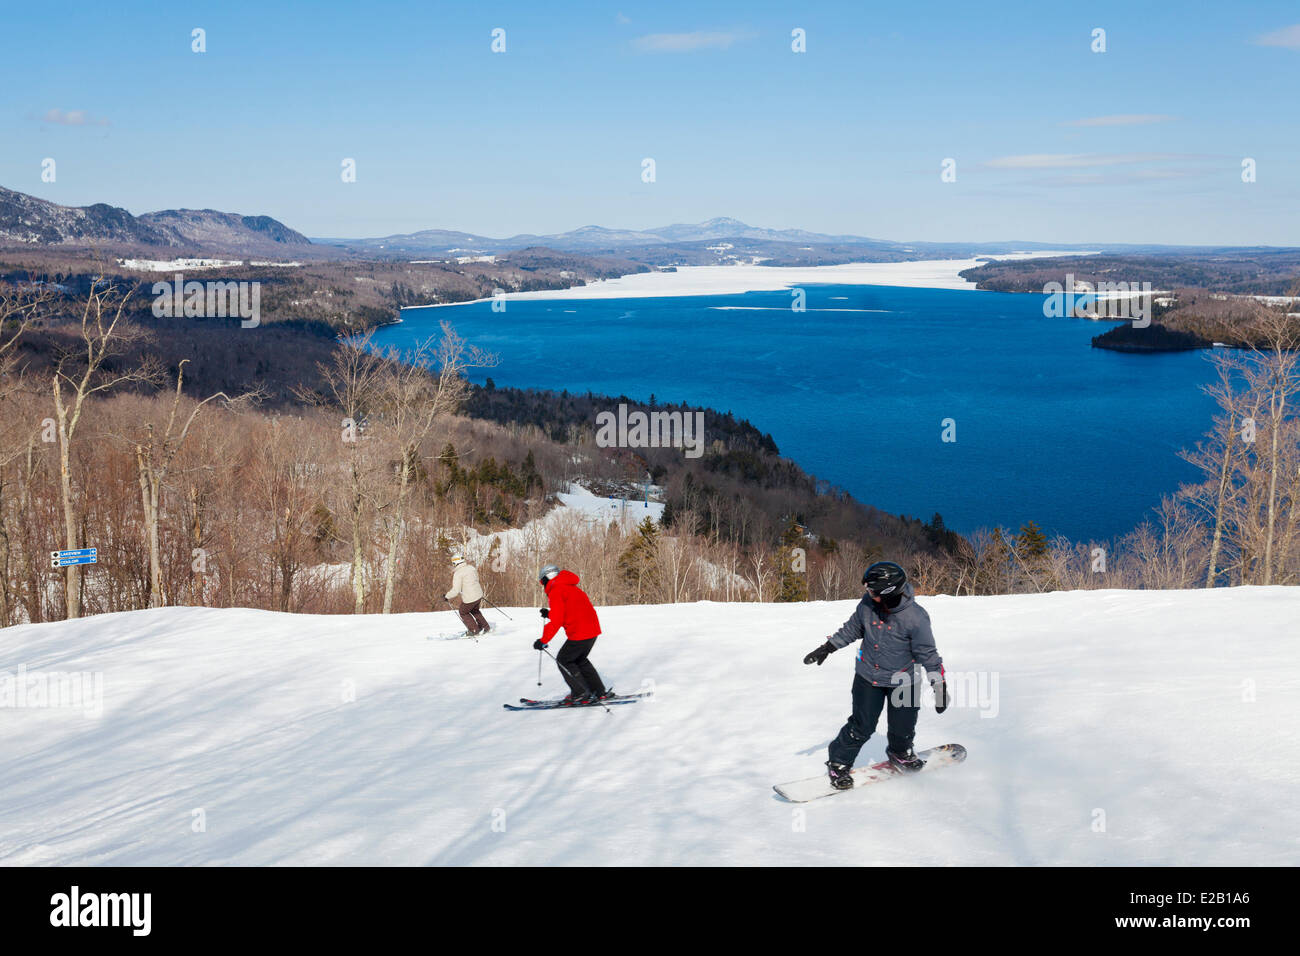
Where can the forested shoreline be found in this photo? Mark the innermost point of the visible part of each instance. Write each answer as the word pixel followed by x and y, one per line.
pixel 298 471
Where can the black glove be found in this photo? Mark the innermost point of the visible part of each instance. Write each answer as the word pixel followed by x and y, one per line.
pixel 819 656
pixel 941 698
pixel 538 645
pixel 544 612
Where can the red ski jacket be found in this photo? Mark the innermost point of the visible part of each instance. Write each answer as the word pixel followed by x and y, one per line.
pixel 570 609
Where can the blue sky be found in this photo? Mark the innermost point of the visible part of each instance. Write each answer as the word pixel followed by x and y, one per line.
pixel 1052 142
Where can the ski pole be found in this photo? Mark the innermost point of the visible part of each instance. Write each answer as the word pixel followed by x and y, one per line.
pixel 539 668
pixel 495 608
pixel 565 670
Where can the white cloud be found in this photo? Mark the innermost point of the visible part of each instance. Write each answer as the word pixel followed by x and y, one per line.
pixel 1121 119
pixel 72 118
pixel 687 42
pixel 1161 174
pixel 1075 160
pixel 1288 37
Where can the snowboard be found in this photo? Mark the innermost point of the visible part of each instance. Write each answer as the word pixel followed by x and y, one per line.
pixel 526 703
pixel 813 788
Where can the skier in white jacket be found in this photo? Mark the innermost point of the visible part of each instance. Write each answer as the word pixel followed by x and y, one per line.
pixel 466 594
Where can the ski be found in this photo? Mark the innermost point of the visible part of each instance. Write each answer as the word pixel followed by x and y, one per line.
pixel 526 703
pixel 460 636
pixel 813 788
pixel 560 700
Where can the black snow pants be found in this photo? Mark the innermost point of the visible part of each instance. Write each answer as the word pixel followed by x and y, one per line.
pixel 576 670
pixel 868 701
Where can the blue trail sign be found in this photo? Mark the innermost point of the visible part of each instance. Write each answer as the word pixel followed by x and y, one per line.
pixel 63 559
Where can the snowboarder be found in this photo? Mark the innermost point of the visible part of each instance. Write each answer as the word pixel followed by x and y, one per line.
pixel 571 609
pixel 466 595
pixel 896 638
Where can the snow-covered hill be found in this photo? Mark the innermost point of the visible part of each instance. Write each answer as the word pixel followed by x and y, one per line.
pixel 331 740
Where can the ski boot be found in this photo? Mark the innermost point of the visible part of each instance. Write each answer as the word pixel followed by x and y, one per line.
pixel 605 694
pixel 574 700
pixel 841 775
pixel 905 761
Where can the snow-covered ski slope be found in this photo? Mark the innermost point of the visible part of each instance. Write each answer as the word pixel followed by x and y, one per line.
pixel 249 737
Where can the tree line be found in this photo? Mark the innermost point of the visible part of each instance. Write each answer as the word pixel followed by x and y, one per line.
pixel 348 496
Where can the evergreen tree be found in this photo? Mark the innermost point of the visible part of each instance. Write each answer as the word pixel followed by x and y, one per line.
pixel 639 564
pixel 451 466
pixel 794 557
pixel 1031 543
pixel 669 516
pixel 531 477
pixel 445 546
pixel 451 461
pixel 939 535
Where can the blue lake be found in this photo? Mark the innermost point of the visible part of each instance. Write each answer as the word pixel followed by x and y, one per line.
pixel 1084 441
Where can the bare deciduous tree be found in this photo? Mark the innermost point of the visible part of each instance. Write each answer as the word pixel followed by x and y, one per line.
pixel 417 390
pixel 88 369
pixel 154 454
pixel 1274 376
pixel 355 381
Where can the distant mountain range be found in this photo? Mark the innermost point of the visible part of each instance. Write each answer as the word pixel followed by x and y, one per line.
pixel 595 239
pixel 656 244
pixel 28 221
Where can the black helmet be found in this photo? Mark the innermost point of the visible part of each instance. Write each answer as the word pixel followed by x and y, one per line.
pixel 884 578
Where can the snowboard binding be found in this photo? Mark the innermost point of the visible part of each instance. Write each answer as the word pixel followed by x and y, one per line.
pixel 906 761
pixel 841 775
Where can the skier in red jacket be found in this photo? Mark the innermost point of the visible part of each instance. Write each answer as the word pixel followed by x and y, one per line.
pixel 571 609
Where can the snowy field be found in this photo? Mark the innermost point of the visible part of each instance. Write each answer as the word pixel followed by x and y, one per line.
pixel 250 737
pixel 732 280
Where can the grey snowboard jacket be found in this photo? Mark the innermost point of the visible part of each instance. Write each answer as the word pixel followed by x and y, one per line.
pixel 895 644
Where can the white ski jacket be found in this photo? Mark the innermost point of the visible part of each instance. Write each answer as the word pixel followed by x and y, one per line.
pixel 465 583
